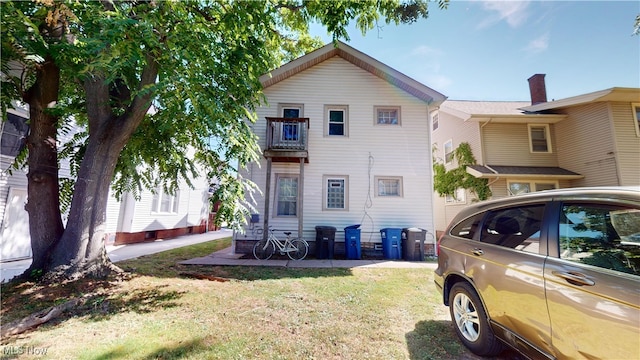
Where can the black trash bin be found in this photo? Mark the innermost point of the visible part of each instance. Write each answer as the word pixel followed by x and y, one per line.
pixel 352 247
pixel 413 244
pixel 325 240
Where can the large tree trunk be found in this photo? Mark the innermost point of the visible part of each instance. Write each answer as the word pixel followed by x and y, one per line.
pixel 43 205
pixel 80 251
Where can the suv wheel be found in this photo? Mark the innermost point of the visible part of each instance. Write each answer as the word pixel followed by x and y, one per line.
pixel 471 321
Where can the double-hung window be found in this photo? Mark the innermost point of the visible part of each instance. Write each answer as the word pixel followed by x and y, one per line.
pixel 287 195
pixel 336 120
pixel 434 120
pixel 336 192
pixel 448 152
pixel 539 140
pixel 163 202
pixel 636 117
pixel 387 115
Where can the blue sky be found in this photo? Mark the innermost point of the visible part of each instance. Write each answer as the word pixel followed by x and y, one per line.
pixel 486 50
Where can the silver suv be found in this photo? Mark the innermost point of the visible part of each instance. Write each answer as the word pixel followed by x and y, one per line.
pixel 552 274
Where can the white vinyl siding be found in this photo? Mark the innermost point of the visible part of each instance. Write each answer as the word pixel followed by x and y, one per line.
pixel 368 149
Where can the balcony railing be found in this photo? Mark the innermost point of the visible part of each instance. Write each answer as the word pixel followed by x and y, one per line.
pixel 287 137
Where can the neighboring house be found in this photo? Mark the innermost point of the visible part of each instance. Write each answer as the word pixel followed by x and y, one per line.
pixel 587 140
pixel 149 218
pixel 345 140
pixel 159 215
pixel 14 229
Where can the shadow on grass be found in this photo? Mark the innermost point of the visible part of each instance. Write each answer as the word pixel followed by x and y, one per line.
pixel 436 339
pixel 186 349
pixel 141 301
pixel 257 273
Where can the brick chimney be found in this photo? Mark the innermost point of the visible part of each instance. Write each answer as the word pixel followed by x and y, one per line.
pixel 538 89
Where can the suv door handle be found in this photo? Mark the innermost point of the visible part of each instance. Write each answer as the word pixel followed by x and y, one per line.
pixel 477 252
pixel 574 278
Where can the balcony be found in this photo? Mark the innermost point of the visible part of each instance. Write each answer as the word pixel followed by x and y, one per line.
pixel 287 139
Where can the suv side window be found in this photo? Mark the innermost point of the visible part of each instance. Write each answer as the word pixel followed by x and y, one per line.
pixel 517 228
pixel 468 227
pixel 601 235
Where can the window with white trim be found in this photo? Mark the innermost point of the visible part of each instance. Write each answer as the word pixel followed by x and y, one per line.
pixel 460 197
pixel 286 195
pixel 336 120
pixel 539 139
pixel 434 121
pixel 523 187
pixel 636 117
pixel 336 192
pixel 388 186
pixel 165 203
pixel 387 115
pixel 448 152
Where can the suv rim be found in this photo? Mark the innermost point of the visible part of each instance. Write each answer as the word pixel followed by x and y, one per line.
pixel 466 317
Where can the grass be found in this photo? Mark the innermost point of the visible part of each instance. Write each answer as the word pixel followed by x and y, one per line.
pixel 160 312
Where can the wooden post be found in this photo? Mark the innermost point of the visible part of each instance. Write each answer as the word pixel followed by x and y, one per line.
pixel 300 199
pixel 267 191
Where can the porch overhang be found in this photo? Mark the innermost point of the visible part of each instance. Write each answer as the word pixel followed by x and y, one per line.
pixel 522 172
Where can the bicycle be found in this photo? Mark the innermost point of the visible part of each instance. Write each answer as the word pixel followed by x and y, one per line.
pixel 296 249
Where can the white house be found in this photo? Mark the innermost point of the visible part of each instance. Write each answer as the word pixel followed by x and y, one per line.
pixel 152 216
pixel 346 141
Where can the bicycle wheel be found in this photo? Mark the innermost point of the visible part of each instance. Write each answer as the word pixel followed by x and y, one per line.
pixel 299 251
pixel 263 249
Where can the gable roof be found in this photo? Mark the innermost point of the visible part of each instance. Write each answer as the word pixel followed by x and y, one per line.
pixel 611 94
pixel 360 60
pixel 496 111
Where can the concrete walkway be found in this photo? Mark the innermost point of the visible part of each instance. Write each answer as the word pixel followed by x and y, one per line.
pixel 11 269
pixel 226 257
pixel 221 258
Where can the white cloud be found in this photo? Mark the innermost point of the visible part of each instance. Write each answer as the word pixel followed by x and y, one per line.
pixel 538 45
pixel 515 13
pixel 426 50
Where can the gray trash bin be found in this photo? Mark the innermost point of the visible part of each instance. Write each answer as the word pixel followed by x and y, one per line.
pixel 413 244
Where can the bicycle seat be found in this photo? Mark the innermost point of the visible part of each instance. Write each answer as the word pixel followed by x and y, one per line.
pixel 287 233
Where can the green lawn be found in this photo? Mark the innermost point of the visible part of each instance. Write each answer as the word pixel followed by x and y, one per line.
pixel 161 311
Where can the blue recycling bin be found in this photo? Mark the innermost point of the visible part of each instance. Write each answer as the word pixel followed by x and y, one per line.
pixel 352 248
pixel 391 243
